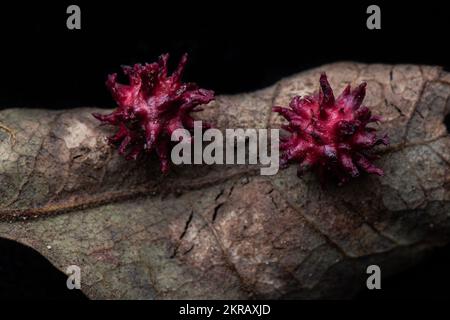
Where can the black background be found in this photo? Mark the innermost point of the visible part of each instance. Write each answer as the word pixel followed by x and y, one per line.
pixel 233 46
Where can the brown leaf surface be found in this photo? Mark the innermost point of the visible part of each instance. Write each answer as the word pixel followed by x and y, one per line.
pixel 224 231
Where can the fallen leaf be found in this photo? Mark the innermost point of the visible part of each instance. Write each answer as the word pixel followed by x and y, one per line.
pixel 225 232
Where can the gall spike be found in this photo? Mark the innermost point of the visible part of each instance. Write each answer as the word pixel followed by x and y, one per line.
pixel 151 107
pixel 330 135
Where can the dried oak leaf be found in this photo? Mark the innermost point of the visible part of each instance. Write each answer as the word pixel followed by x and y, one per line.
pixel 224 231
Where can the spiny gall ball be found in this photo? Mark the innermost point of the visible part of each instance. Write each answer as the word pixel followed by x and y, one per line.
pixel 151 107
pixel 331 136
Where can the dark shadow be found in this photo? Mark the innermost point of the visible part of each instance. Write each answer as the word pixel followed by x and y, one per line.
pixel 232 49
pixel 430 279
pixel 447 122
pixel 25 274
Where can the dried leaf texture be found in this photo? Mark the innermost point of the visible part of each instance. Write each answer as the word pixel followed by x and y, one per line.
pixel 224 231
